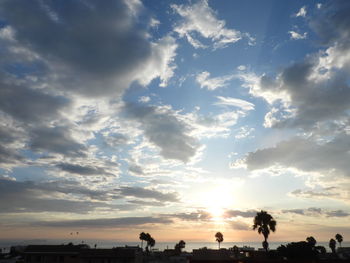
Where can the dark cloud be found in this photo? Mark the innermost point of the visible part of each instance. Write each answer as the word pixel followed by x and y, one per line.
pixel 192 216
pixel 235 213
pixel 56 140
pixel 82 170
pixel 146 203
pixel 107 222
pixel 101 42
pixel 337 213
pixel 139 192
pixel 11 141
pixel 316 212
pixel 28 105
pixel 164 129
pixel 306 155
pixel 10 156
pixel 28 196
pixel 97 40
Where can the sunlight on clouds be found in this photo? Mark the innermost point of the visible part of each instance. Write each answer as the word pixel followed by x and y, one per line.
pixel 200 18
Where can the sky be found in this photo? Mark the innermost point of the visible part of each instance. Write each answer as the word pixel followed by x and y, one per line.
pixel 177 118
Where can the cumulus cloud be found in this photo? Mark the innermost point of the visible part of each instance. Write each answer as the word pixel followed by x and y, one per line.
pixel 314 90
pixel 306 155
pixel 67 45
pixel 200 19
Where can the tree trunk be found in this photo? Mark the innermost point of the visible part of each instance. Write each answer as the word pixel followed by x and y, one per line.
pixel 265 244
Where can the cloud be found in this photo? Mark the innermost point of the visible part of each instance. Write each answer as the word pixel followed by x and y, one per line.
pixel 236 213
pixel 306 155
pixel 238 225
pixel 24 197
pixel 116 140
pixel 191 216
pixel 323 193
pixel 119 222
pixel 82 169
pixel 294 211
pixel 315 90
pixel 200 19
pixel 316 212
pixel 331 22
pixel 146 203
pixel 29 105
pixel 10 156
pixel 229 101
pixel 338 213
pixel 148 194
pixel 102 43
pixel 56 140
pixel 295 35
pixel 212 83
pixel 165 129
pixel 302 12
pixel 244 132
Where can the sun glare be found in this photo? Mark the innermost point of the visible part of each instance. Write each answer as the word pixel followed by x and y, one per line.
pixel 216 200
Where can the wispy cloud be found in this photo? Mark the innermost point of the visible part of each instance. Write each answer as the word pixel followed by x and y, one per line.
pixel 213 83
pixel 239 103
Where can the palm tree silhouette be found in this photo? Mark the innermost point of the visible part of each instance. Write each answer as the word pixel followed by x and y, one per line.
pixel 264 222
pixel 339 238
pixel 332 244
pixel 312 241
pixel 219 238
pixel 143 237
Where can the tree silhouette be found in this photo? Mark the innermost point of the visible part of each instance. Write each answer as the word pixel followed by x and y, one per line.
pixel 143 237
pixel 151 242
pixel 312 241
pixel 179 246
pixel 332 245
pixel 339 238
pixel 265 223
pixel 219 238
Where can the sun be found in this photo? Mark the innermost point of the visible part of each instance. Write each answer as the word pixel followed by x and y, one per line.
pixel 216 200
